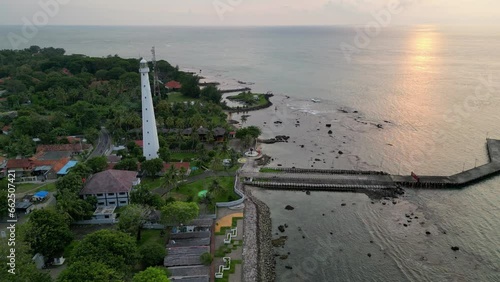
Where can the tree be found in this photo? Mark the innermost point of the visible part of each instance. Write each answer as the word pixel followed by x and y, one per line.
pixel 113 248
pixel 211 93
pixel 47 232
pixel 132 219
pixel 82 170
pixel 127 164
pixel 70 182
pixel 142 196
pixel 98 164
pixel 152 167
pixel 89 271
pixel 177 213
pixel 74 208
pixel 190 87
pixel 215 188
pixel 151 274
pixel 164 153
pixel 152 254
pixel 25 267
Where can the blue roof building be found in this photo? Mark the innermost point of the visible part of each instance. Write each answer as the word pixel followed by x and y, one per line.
pixel 64 170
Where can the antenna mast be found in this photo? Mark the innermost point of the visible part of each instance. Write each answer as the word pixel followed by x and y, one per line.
pixel 155 74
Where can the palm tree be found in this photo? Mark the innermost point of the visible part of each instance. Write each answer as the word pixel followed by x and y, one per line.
pixel 215 188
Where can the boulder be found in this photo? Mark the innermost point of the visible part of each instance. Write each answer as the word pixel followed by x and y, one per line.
pixel 281 228
pixel 455 248
pixel 289 208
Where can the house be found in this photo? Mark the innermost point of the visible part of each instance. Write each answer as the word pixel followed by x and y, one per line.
pixel 6 129
pixel 219 134
pixel 111 187
pixel 21 167
pixel 105 212
pixel 202 133
pixel 112 161
pixel 24 207
pixel 61 149
pixel 177 166
pixel 187 131
pixel 173 85
pixel 232 134
pixel 40 196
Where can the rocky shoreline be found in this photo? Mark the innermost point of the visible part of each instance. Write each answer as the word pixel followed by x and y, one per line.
pixel 259 262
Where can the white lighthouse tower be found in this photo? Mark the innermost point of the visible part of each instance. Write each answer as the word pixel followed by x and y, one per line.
pixel 149 132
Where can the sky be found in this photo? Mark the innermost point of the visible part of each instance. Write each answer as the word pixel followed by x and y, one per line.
pixel 248 12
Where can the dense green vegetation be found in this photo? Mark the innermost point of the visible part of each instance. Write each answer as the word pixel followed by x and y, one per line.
pixel 249 99
pixel 51 95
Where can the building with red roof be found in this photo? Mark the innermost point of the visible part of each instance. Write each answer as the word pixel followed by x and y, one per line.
pixel 173 85
pixel 139 143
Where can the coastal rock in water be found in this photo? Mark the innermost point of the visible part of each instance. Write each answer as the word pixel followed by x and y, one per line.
pixel 281 228
pixel 283 257
pixel 289 208
pixel 455 248
pixel 330 132
pixel 341 153
pixel 308 192
pixel 280 242
pixel 369 255
pixel 427 232
pixel 288 267
pixel 343 204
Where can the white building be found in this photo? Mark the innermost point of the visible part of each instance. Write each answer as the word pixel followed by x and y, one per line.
pixel 149 133
pixel 111 187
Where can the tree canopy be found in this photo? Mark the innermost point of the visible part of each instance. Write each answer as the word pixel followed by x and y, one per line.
pixel 89 271
pixel 132 219
pixel 112 248
pixel 178 212
pixel 47 232
pixel 151 274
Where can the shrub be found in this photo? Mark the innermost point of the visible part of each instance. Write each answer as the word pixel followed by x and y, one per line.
pixel 206 259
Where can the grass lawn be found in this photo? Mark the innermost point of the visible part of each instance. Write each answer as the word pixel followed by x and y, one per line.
pixel 178 97
pixel 50 187
pixel 248 98
pixel 23 188
pixel 151 183
pixel 152 235
pixel 190 190
pixel 183 156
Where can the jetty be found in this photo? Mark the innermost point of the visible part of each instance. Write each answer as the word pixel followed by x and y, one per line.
pixel 353 180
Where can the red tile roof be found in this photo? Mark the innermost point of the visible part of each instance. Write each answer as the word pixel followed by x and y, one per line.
pixel 173 84
pixel 55 164
pixel 177 166
pixel 110 181
pixel 6 128
pixel 139 143
pixel 20 163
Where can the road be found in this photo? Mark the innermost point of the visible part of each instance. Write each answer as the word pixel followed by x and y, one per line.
pixel 103 145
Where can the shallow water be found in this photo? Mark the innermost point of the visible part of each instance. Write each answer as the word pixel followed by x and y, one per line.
pixel 422 80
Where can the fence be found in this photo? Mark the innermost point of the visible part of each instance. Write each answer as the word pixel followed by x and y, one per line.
pixel 238 191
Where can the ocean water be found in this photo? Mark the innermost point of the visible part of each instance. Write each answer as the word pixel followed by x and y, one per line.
pixel 435 90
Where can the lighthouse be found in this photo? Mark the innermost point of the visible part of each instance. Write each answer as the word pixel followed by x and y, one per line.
pixel 149 132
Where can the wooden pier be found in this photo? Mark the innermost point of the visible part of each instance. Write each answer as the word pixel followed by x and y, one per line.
pixel 351 180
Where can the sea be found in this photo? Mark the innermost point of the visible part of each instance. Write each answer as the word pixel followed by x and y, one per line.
pixel 420 99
